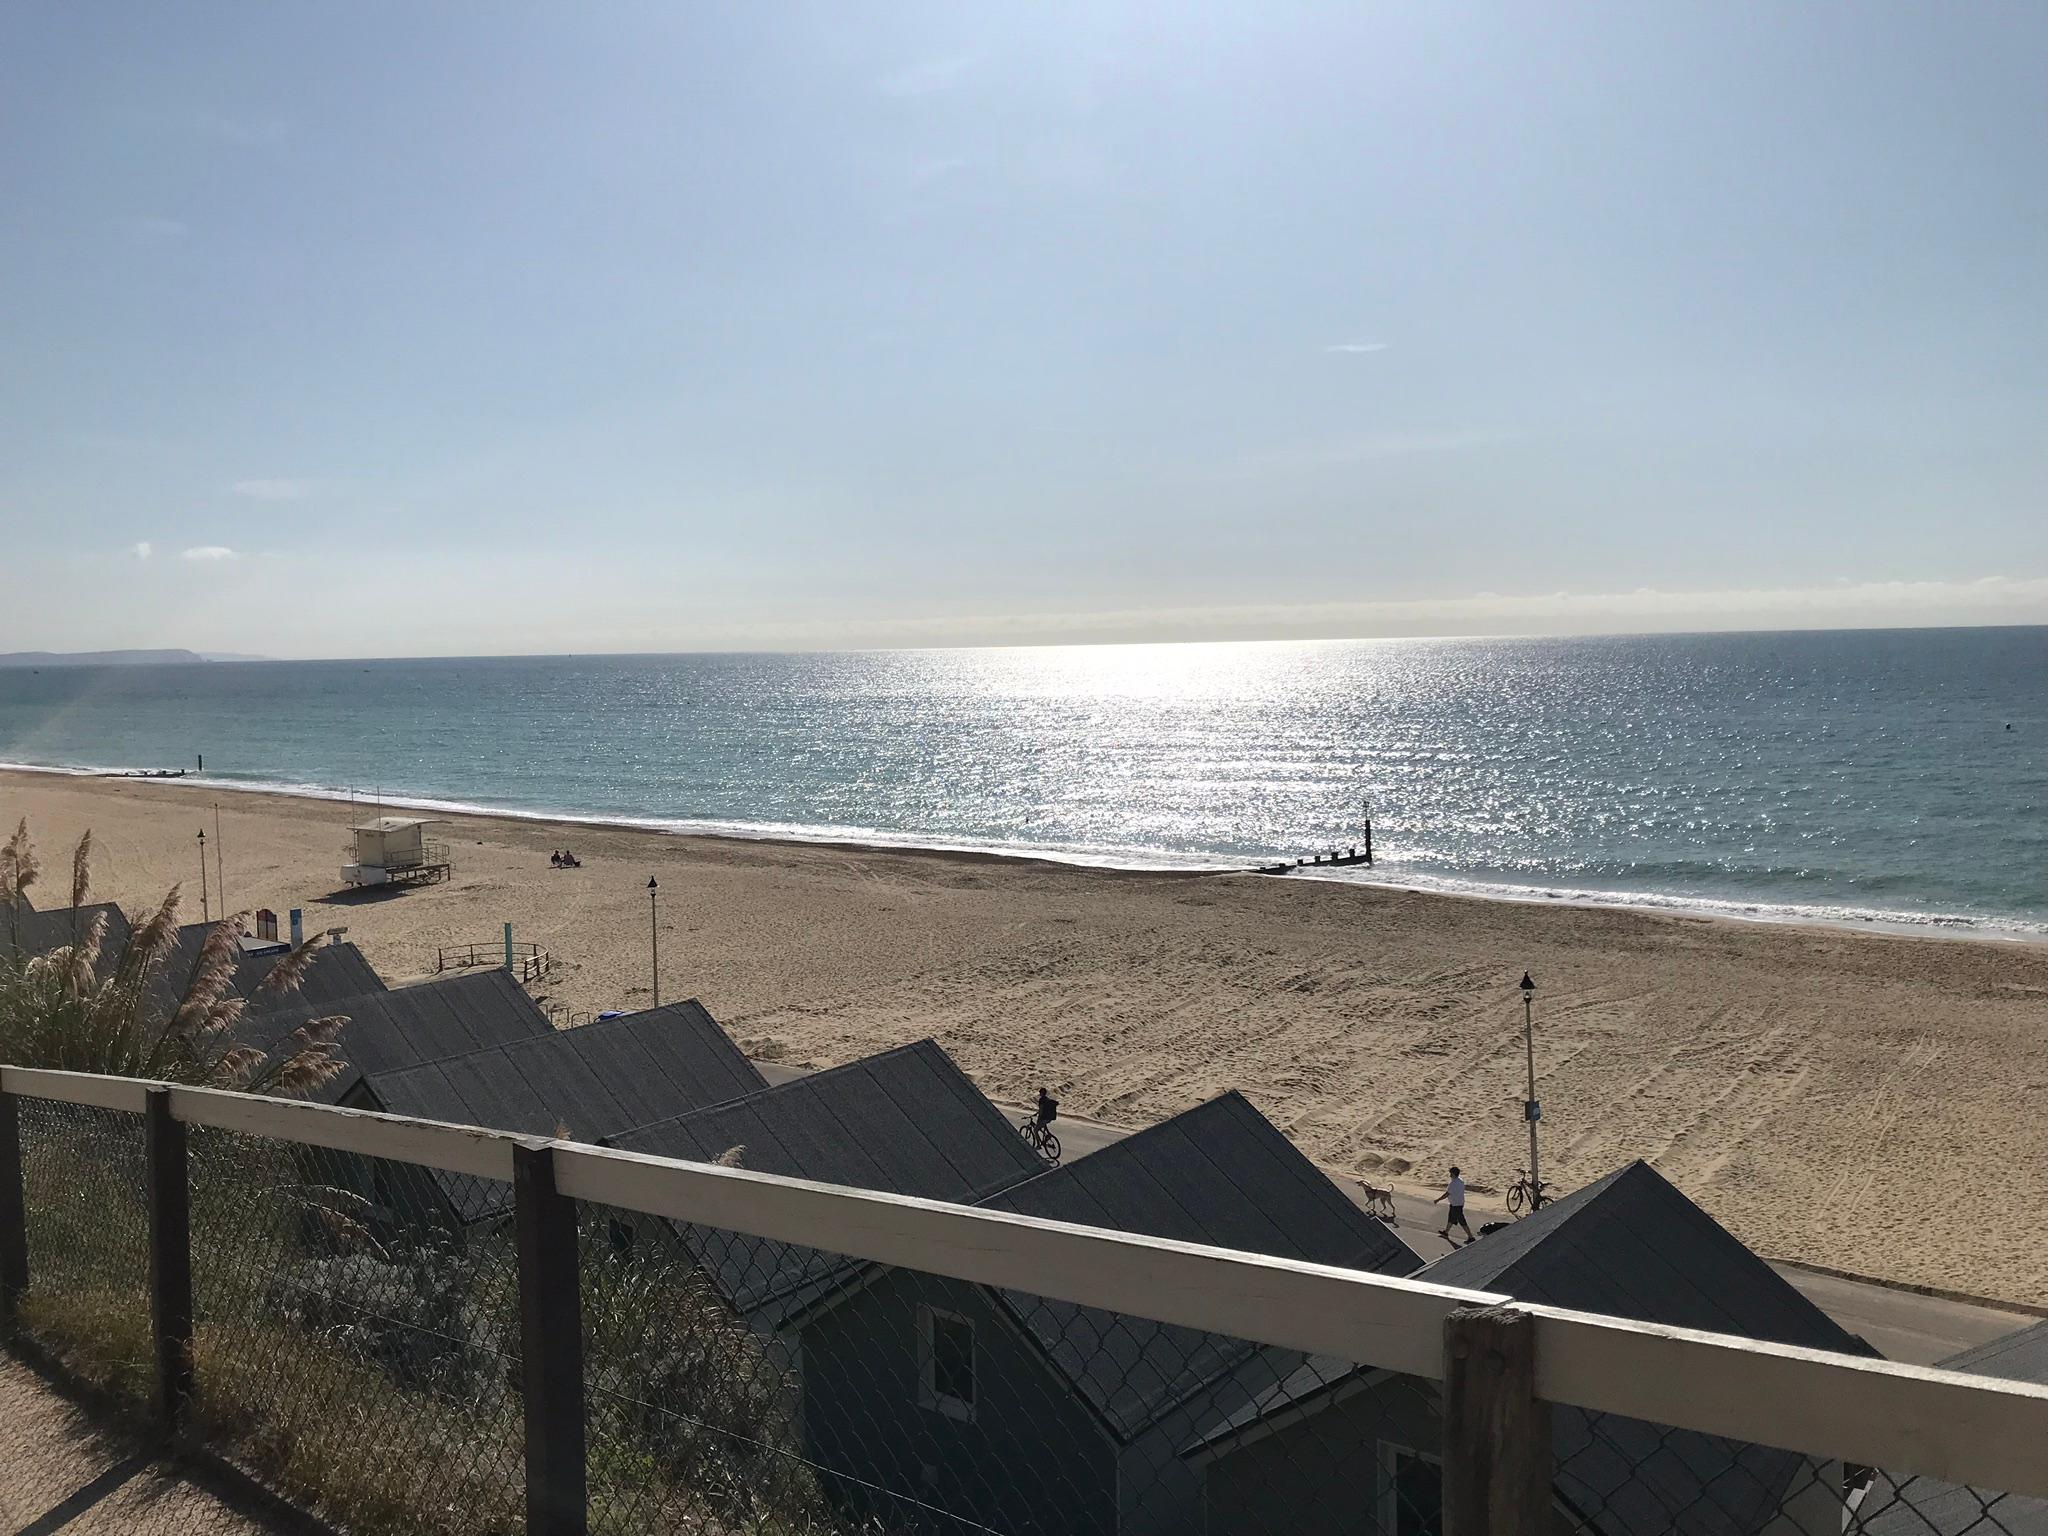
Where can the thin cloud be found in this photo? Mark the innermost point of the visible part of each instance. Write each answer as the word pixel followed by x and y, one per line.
pixel 243 132
pixel 1372 447
pixel 274 490
pixel 152 229
pixel 929 77
pixel 1356 346
pixel 935 168
pixel 1643 610
pixel 211 552
pixel 142 549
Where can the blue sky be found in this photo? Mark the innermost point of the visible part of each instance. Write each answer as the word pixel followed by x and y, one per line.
pixel 451 329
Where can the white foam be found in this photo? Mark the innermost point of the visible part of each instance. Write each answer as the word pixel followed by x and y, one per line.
pixel 1388 872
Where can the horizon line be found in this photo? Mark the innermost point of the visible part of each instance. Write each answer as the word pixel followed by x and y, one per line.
pixel 222 659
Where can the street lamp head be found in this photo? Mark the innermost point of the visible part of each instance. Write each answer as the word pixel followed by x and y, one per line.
pixel 1528 986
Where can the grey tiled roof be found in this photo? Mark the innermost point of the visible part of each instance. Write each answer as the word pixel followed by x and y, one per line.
pixel 591 1082
pixel 906 1122
pixel 337 971
pixel 403 1026
pixel 35 933
pixel 1629 1245
pixel 1901 1505
pixel 1219 1174
pixel 1632 1245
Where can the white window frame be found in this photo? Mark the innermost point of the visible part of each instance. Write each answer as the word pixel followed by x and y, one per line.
pixel 928 1393
pixel 1391 1451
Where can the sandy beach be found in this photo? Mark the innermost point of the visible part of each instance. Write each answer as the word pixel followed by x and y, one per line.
pixel 1863 1101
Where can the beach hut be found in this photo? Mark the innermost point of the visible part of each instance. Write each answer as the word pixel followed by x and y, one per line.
pixel 587 1083
pixel 391 1029
pixel 930 1399
pixel 395 848
pixel 906 1121
pixel 1343 1448
pixel 1922 1506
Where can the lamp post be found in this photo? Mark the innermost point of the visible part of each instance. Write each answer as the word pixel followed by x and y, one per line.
pixel 653 942
pixel 1531 1110
pixel 205 914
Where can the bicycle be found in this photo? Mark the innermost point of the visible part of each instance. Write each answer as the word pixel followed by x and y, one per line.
pixel 1525 1192
pixel 1378 1203
pixel 1040 1138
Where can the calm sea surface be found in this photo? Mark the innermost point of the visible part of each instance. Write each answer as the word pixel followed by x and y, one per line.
pixel 1891 776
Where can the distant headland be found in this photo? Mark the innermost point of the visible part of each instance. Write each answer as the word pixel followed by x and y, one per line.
pixel 111 658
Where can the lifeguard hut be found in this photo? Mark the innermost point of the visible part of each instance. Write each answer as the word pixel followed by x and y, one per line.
pixel 395 849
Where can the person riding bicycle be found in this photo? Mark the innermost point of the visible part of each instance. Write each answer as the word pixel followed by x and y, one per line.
pixel 1048 1107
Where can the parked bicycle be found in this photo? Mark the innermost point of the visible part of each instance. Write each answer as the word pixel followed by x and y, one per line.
pixel 1526 1193
pixel 1038 1132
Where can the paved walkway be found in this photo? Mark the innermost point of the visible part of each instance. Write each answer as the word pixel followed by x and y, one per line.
pixel 60 1473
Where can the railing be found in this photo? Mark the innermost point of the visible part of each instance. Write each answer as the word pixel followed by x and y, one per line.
pixel 531 961
pixel 416 1326
pixel 433 854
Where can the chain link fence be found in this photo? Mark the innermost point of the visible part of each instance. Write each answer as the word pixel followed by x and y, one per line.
pixel 1624 1477
pixel 83 1186
pixel 352 1345
pixel 356 1346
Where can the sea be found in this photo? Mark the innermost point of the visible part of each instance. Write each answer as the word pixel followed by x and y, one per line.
pixel 1891 778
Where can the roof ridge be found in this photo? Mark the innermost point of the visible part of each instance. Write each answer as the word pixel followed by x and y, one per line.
pixel 553 1036
pixel 1547 1223
pixel 1123 1147
pixel 788 1089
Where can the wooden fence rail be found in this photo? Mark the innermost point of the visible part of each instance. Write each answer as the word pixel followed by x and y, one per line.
pixel 1500 1363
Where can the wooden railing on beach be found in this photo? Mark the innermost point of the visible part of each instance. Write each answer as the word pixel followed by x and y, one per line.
pixel 530 961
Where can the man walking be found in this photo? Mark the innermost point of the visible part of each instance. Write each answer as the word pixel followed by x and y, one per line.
pixel 1454 1192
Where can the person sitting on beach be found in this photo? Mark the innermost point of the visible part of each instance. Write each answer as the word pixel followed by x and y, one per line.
pixel 555 858
pixel 1454 1192
pixel 1048 1107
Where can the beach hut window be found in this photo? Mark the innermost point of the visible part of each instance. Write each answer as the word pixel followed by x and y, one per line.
pixel 1411 1492
pixel 945 1362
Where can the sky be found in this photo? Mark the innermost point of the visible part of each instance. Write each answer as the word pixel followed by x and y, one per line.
pixel 450 329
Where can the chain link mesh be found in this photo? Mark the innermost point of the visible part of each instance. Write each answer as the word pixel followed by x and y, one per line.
pixel 88 1234
pixel 352 1345
pixel 1623 1477
pixel 356 1347
pixel 796 1389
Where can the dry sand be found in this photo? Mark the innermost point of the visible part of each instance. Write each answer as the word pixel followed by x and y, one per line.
pixel 1864 1101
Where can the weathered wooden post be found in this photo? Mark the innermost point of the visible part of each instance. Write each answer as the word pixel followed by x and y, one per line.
pixel 168 1183
pixel 13 1212
pixel 551 1346
pixel 1497 1449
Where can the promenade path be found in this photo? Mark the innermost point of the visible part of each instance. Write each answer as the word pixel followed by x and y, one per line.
pixel 63 1474
pixel 1901 1325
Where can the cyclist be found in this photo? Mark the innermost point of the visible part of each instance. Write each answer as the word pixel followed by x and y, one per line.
pixel 1048 1107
